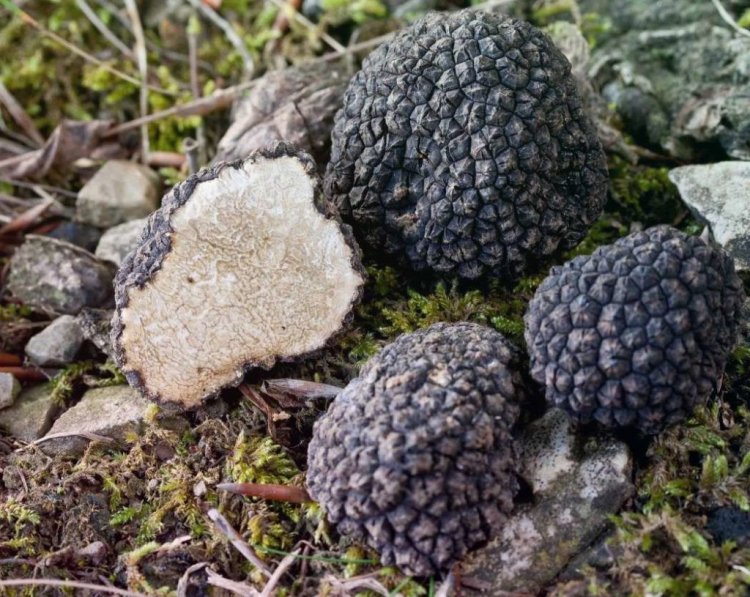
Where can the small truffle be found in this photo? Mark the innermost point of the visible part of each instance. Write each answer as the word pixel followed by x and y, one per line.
pixel 638 333
pixel 463 147
pixel 415 456
pixel 244 265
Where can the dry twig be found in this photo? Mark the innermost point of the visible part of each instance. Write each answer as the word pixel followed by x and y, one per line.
pixel 72 584
pixel 226 529
pixel 232 36
pixel 103 29
pixel 142 56
pixel 238 588
pixel 727 18
pixel 32 22
pixel 19 115
pixel 278 573
pixel 305 22
pixel 27 218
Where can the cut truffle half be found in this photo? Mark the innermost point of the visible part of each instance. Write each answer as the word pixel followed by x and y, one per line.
pixel 638 333
pixel 244 265
pixel 415 456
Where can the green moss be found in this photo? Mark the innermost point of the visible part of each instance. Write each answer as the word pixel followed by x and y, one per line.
pixel 85 373
pixel 17 522
pixel 645 194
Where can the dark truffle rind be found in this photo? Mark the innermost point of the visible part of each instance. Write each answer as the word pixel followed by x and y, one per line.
pixel 638 333
pixel 415 456
pixel 141 265
pixel 463 147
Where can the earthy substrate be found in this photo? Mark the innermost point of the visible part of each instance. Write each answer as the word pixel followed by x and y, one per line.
pixel 110 511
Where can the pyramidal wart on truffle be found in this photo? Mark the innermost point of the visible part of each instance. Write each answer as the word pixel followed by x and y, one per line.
pixel 415 456
pixel 463 147
pixel 638 333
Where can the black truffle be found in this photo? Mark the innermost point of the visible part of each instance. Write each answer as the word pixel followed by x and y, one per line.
pixel 415 456
pixel 637 333
pixel 462 147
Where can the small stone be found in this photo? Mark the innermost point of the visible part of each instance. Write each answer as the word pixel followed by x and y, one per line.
pixel 77 233
pixel 576 490
pixel 729 523
pixel 120 191
pixel 113 412
pixel 57 344
pixel 96 325
pixel 56 276
pixel 548 445
pixel 117 242
pixel 31 414
pixel 94 553
pixel 718 194
pixel 9 389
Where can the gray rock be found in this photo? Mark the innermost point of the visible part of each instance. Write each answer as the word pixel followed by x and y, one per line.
pixel 120 191
pixel 9 389
pixel 112 412
pixel 32 413
pixel 96 325
pixel 677 74
pixel 56 276
pixel 118 241
pixel 576 488
pixel 57 344
pixel 719 195
pixel 77 233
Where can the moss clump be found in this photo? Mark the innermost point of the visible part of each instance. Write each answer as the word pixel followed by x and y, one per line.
pixel 645 194
pixel 84 374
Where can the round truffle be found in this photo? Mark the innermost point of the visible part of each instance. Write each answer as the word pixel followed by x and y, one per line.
pixel 463 147
pixel 638 333
pixel 415 456
pixel 244 265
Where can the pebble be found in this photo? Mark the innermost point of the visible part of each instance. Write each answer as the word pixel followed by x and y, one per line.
pixel 120 240
pixel 9 389
pixel 576 488
pixel 96 325
pixel 57 344
pixel 120 191
pixel 32 413
pixel 77 233
pixel 56 276
pixel 114 412
pixel 719 195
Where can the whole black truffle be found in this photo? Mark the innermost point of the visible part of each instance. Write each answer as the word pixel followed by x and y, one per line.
pixel 637 333
pixel 462 147
pixel 415 456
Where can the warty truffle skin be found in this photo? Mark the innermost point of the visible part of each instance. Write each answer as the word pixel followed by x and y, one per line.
pixel 415 456
pixel 463 147
pixel 638 333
